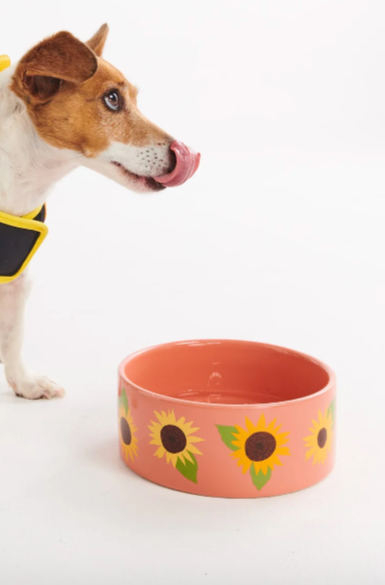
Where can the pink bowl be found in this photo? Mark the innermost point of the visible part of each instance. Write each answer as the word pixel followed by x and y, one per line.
pixel 233 419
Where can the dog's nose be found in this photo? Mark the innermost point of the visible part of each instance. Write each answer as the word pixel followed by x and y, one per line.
pixel 186 163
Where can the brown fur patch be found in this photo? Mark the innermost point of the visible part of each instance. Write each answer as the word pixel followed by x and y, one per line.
pixel 73 114
pixel 97 42
pixel 61 56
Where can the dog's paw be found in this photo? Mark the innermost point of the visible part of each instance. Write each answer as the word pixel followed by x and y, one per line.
pixel 34 386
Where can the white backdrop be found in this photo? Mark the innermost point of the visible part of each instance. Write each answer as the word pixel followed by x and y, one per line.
pixel 278 238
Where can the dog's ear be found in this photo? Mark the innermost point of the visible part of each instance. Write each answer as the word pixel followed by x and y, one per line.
pixel 98 40
pixel 59 58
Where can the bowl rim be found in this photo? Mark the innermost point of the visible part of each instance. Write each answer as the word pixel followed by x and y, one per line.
pixel 331 383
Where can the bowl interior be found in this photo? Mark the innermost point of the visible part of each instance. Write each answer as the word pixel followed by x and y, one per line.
pixel 225 371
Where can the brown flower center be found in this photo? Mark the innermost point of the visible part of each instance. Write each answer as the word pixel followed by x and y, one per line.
pixel 322 438
pixel 173 439
pixel 260 446
pixel 125 431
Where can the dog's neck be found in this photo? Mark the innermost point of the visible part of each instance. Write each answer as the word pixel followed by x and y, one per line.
pixel 28 165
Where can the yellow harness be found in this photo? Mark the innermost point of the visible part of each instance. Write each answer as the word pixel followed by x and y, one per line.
pixel 20 238
pixel 5 62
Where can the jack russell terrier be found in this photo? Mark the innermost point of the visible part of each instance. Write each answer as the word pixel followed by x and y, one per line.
pixel 62 105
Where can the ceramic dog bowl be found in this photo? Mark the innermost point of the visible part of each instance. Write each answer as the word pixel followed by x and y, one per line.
pixel 233 419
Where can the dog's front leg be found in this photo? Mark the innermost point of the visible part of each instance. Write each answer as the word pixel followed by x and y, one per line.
pixel 24 382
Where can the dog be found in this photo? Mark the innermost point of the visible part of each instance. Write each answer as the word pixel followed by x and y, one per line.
pixel 62 105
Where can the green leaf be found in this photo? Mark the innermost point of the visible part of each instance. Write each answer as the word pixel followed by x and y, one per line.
pixel 189 470
pixel 259 480
pixel 227 436
pixel 332 411
pixel 123 399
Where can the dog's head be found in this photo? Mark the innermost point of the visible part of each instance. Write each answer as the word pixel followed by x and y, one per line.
pixel 78 101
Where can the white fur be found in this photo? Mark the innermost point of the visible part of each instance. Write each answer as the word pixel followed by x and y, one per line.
pixel 28 165
pixel 28 169
pixel 146 161
pixel 24 382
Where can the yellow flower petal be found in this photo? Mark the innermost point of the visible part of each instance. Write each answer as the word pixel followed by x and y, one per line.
pixel 194 450
pixel 188 431
pixel 270 428
pixel 159 452
pixel 261 426
pixel 188 456
pixel 240 430
pixel 282 438
pixel 250 426
pixel 194 440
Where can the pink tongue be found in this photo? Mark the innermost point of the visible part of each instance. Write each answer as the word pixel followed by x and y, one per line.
pixel 187 162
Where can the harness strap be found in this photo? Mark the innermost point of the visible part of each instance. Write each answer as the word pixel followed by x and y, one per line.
pixel 20 238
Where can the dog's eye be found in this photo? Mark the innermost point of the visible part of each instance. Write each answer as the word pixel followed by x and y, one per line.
pixel 113 100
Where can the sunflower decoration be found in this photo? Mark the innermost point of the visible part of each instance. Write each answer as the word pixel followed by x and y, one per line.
pixel 318 444
pixel 127 429
pixel 256 448
pixel 174 438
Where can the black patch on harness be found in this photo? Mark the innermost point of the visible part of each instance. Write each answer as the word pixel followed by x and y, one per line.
pixel 16 244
